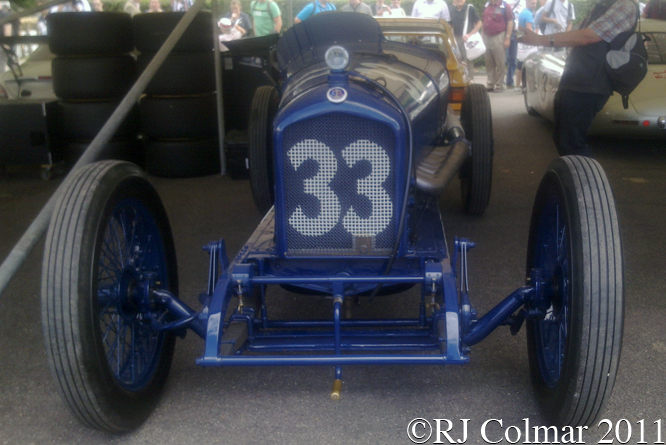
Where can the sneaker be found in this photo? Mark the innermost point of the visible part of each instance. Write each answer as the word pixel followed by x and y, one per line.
pixel 499 90
pixel 490 89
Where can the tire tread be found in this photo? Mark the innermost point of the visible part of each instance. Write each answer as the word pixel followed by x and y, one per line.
pixel 604 316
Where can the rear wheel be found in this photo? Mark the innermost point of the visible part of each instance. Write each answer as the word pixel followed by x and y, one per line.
pixel 476 174
pixel 108 244
pixel 574 346
pixel 260 146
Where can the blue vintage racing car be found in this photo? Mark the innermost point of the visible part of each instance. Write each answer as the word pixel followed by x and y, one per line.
pixel 348 157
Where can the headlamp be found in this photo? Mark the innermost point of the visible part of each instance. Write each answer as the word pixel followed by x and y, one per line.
pixel 336 58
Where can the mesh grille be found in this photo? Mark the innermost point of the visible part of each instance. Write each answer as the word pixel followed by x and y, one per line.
pixel 339 186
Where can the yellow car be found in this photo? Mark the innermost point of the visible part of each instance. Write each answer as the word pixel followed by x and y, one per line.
pixel 437 36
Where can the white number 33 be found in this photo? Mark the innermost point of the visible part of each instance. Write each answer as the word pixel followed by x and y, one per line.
pixel 318 186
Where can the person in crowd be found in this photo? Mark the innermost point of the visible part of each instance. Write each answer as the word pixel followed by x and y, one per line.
pixel 266 16
pixel 396 9
pixel 380 9
pixel 228 32
pixel 584 86
pixel 432 9
pixel 497 28
pixel 316 7
pixel 538 26
pixel 132 7
pixel 357 6
pixel 155 6
pixel 517 7
pixel 97 5
pixel 458 14
pixel 41 21
pixel 558 15
pixel 180 5
pixel 525 20
pixel 239 19
pixel 73 6
pixel 655 9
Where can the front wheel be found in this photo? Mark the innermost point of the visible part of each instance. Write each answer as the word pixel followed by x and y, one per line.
pixel 108 244
pixel 574 344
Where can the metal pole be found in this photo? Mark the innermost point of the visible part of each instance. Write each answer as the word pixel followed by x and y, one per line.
pixel 218 86
pixel 31 236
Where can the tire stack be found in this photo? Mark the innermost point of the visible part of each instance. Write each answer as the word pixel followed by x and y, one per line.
pixel 179 108
pixel 92 72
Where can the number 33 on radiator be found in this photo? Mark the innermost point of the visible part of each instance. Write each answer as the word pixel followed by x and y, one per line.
pixel 330 209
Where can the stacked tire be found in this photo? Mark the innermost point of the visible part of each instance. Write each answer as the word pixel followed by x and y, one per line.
pixel 179 108
pixel 92 71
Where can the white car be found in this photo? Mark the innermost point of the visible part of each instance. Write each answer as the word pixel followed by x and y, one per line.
pixel 646 115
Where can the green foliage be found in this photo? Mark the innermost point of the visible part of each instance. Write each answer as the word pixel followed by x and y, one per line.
pixel 22 4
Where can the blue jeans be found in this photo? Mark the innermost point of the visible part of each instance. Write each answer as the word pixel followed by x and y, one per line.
pixel 511 54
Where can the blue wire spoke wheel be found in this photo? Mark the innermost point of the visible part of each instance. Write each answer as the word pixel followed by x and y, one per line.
pixel 109 243
pixel 575 333
pixel 131 256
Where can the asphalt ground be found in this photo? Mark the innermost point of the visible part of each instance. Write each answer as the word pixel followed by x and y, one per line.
pixel 292 405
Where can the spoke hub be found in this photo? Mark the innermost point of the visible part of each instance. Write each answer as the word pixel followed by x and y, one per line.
pixel 130 292
pixel 557 288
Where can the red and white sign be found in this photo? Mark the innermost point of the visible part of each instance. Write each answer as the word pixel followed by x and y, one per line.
pixel 661 75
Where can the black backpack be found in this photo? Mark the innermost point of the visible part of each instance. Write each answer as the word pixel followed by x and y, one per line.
pixel 626 62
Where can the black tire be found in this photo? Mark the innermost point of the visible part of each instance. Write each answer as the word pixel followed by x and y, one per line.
pixel 185 117
pixel 129 150
pixel 180 74
pixel 260 146
pixel 575 241
pixel 81 121
pixel 476 174
pixel 80 297
pixel 93 77
pixel 89 33
pixel 183 159
pixel 152 30
pixel 531 111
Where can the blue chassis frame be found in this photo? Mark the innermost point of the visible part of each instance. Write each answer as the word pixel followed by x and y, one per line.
pixel 452 328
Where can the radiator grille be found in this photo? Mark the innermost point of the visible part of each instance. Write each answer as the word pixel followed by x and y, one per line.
pixel 339 177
